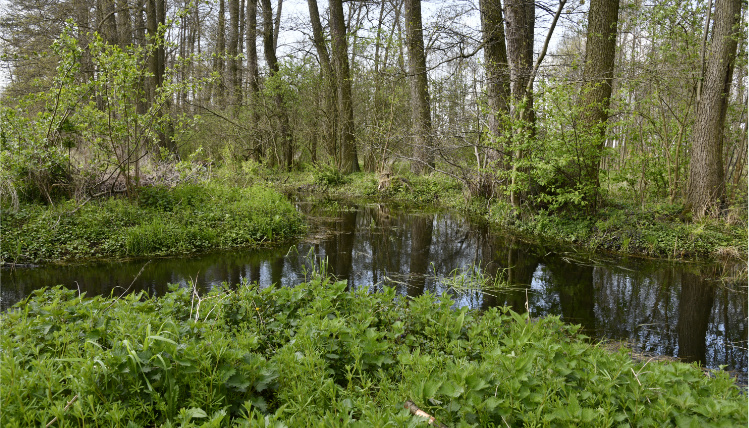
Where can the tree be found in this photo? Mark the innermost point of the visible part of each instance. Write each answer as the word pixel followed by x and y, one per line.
pixel 706 181
pixel 253 77
pixel 421 116
pixel 269 50
pixel 348 161
pixel 600 52
pixel 234 86
pixel 497 68
pixel 497 90
pixel 520 18
pixel 328 75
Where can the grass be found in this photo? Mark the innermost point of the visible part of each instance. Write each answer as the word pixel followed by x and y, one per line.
pixel 317 354
pixel 162 221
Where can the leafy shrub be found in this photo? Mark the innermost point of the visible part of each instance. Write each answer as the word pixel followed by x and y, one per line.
pixel 319 354
pixel 329 176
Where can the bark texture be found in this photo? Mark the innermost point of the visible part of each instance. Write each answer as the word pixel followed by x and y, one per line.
pixel 520 18
pixel 253 78
pixel 328 73
pixel 231 51
pixel 497 69
pixel 598 73
pixel 272 61
pixel 706 180
pixel 421 116
pixel 348 161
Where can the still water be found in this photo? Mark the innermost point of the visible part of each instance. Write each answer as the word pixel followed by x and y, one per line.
pixel 658 307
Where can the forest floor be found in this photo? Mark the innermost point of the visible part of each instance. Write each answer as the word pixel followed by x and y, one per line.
pixel 159 221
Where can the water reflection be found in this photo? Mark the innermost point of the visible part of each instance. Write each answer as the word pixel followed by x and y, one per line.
pixel 662 308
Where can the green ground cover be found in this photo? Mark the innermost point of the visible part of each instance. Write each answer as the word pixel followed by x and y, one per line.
pixel 161 221
pixel 319 355
pixel 620 226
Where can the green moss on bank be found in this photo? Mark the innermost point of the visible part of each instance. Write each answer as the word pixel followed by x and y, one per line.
pixel 162 221
pixel 317 355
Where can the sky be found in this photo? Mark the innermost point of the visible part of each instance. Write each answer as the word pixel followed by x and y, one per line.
pixel 296 12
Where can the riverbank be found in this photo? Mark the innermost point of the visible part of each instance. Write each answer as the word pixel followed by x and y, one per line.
pixel 319 354
pixel 622 227
pixel 160 221
pixel 234 209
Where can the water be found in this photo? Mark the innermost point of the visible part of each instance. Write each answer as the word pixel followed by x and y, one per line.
pixel 658 307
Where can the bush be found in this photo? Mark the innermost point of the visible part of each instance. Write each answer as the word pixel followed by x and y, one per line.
pixel 318 354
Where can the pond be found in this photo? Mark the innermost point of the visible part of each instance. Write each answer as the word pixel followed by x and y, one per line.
pixel 657 307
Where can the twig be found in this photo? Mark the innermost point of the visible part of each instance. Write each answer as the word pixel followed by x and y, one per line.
pixel 128 287
pixel 72 400
pixel 416 411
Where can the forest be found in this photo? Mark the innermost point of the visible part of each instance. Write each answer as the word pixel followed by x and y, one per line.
pixel 539 106
pixel 373 213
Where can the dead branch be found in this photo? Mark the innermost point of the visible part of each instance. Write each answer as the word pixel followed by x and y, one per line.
pixel 416 411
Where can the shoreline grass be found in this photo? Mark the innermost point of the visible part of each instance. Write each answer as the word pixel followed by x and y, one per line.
pixel 161 221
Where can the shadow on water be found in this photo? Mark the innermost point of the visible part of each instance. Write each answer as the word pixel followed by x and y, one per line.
pixel 657 307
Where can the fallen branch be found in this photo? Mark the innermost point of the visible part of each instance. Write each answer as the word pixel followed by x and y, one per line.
pixel 416 411
pixel 66 408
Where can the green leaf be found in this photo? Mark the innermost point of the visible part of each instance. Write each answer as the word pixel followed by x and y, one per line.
pixel 451 389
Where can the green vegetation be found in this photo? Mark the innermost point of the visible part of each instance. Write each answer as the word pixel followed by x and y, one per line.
pixel 654 231
pixel 161 221
pixel 317 354
pixel 621 225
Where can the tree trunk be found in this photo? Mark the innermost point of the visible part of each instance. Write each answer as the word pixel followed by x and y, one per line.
pixel 107 21
pixel 421 116
pixel 155 16
pixel 520 18
pixel 349 161
pixel 124 26
pixel 231 51
pixel 600 53
pixel 329 78
pixel 253 78
pixel 497 68
pixel 219 63
pixel 706 180
pixel 270 58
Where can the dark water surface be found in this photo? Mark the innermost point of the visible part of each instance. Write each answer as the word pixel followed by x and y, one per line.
pixel 658 307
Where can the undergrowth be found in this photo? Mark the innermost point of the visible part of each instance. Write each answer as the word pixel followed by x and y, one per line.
pixel 162 221
pixel 656 230
pixel 319 355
